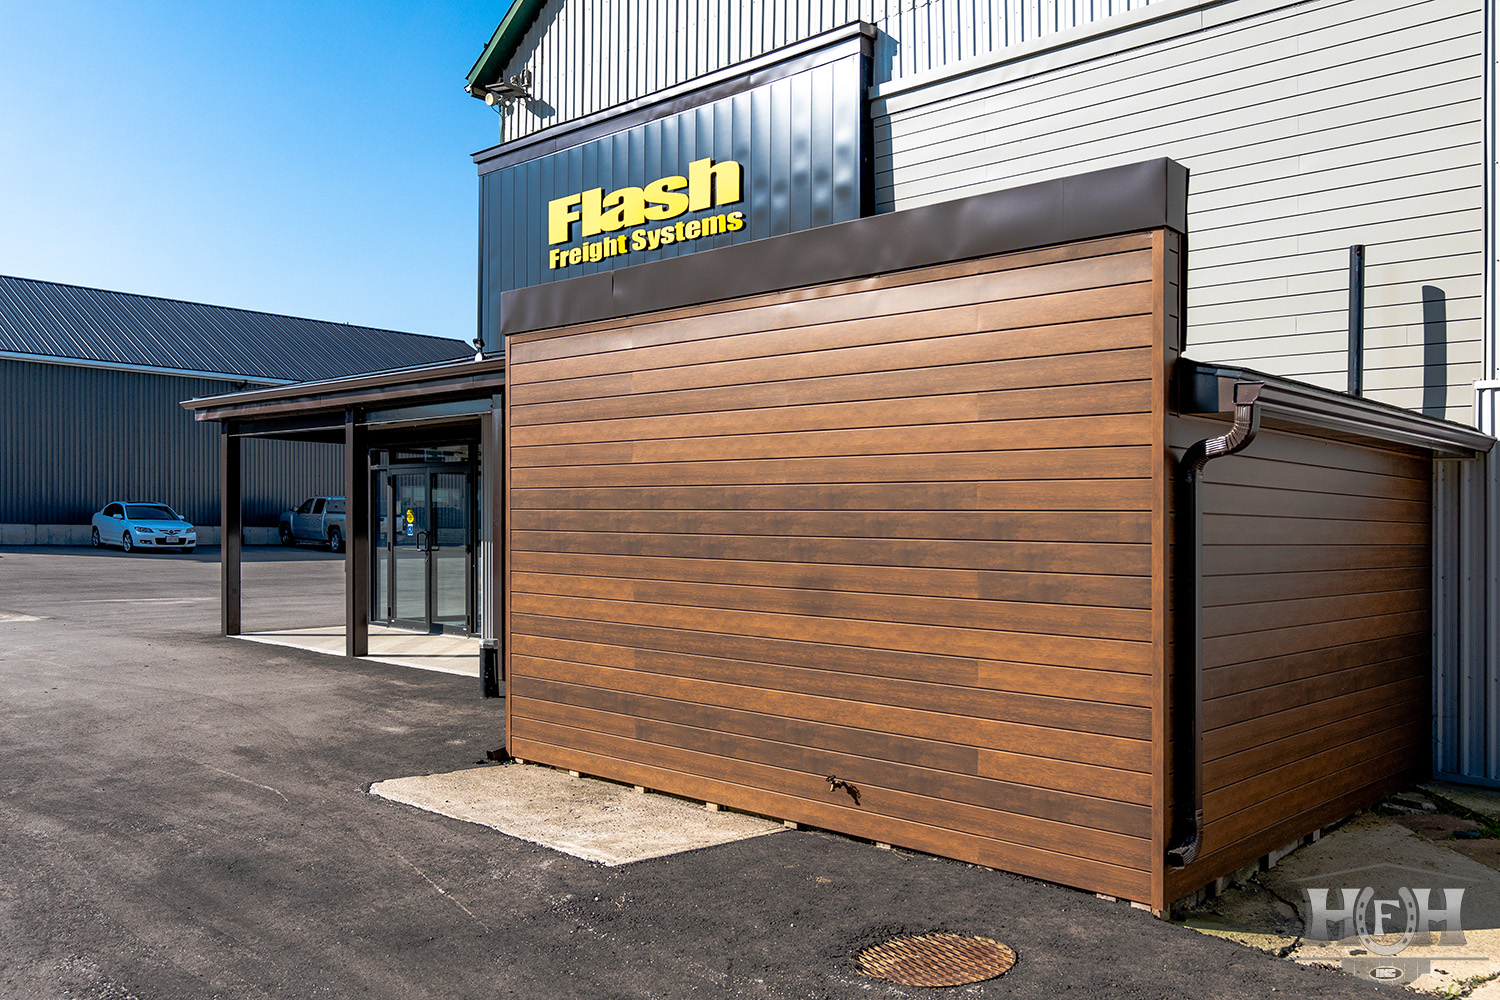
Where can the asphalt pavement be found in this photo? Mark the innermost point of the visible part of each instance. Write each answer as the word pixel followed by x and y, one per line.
pixel 186 816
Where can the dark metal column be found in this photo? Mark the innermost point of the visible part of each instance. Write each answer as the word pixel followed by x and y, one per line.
pixel 357 523
pixel 492 552
pixel 230 523
pixel 1357 320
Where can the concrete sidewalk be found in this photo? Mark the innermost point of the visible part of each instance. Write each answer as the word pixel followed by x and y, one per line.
pixel 1405 846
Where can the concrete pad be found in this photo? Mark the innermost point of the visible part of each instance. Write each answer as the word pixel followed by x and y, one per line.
pixel 587 818
pixel 1484 801
pixel 1371 851
pixel 446 654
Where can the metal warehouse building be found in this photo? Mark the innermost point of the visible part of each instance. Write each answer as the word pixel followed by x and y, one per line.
pixel 90 387
pixel 1066 423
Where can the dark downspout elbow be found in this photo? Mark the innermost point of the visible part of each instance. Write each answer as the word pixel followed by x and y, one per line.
pixel 1187 709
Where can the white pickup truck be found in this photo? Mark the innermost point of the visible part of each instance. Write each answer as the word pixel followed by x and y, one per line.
pixel 318 519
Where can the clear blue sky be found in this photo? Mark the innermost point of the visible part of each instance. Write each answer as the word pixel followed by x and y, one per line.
pixel 309 158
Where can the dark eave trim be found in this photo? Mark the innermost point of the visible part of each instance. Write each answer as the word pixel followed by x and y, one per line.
pixel 1126 199
pixel 856 37
pixel 1208 388
pixel 462 378
pixel 504 43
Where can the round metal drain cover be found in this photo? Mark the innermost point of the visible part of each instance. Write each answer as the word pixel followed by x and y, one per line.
pixel 936 959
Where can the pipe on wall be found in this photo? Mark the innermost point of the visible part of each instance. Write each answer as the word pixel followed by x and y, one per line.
pixel 1187 711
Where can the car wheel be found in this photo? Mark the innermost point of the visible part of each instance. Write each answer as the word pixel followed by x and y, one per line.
pixel 127 543
pixel 94 539
pixel 335 540
pixel 286 535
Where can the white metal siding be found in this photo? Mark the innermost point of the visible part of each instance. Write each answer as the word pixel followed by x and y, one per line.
pixel 589 55
pixel 1308 127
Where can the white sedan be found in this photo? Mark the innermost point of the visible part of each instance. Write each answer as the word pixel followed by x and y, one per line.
pixel 143 526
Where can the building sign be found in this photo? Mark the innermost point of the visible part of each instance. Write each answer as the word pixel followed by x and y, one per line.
pixel 784 147
pixel 706 186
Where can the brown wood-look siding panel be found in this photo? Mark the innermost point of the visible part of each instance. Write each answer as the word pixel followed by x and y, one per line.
pixel 540 634
pixel 741 681
pixel 1033 588
pixel 999 733
pixel 841 299
pixel 830 814
pixel 1296 763
pixel 1269 700
pixel 988 436
pixel 1045 619
pixel 1262 645
pixel 1016 557
pixel 900 530
pixel 623 713
pixel 1222 590
pixel 1275 615
pixel 1082 463
pixel 1396 760
pixel 1130 527
pixel 1066 323
pixel 1317 595
pixel 1235 678
pixel 1082 369
pixel 952 307
pixel 933 798
pixel 1113 494
pixel 1126 654
pixel 1254 502
pixel 1035 405
pixel 1221 857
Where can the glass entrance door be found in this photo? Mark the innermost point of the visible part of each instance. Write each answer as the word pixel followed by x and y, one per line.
pixel 423 559
pixel 409 550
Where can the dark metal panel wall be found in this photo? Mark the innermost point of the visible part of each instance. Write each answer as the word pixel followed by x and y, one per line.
pixel 800 140
pixel 73 438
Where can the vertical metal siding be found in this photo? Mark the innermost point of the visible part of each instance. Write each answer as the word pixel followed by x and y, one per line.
pixel 585 57
pixel 799 139
pixel 74 438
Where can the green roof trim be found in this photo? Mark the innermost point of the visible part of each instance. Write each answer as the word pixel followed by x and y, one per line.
pixel 504 42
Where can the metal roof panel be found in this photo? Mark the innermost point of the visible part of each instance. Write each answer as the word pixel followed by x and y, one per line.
pixel 48 319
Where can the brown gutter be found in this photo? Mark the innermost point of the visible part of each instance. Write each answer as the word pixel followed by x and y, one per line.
pixel 1187 678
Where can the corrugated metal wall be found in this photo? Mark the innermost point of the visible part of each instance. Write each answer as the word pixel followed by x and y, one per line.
pixel 1308 127
pixel 74 438
pixel 798 139
pixel 585 57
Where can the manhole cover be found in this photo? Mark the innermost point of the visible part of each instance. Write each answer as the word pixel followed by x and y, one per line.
pixel 937 959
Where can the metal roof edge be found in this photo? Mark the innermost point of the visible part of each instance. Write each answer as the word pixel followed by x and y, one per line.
pixel 504 43
pixel 1200 391
pixel 347 383
pixel 47 359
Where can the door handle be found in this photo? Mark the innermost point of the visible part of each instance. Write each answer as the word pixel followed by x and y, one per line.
pixel 422 541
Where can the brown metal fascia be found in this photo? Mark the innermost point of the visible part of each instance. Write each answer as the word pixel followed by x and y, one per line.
pixel 1205 388
pixel 486 378
pixel 1136 197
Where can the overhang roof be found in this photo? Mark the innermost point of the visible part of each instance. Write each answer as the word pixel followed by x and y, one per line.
pixel 47 321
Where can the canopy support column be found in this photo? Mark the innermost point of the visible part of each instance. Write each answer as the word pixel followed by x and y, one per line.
pixel 357 545
pixel 230 523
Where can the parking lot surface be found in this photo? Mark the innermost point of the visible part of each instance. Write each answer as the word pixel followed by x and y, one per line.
pixel 186 816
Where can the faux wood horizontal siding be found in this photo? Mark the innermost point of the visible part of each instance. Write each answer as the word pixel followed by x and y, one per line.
pixel 897 530
pixel 1308 127
pixel 1317 637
